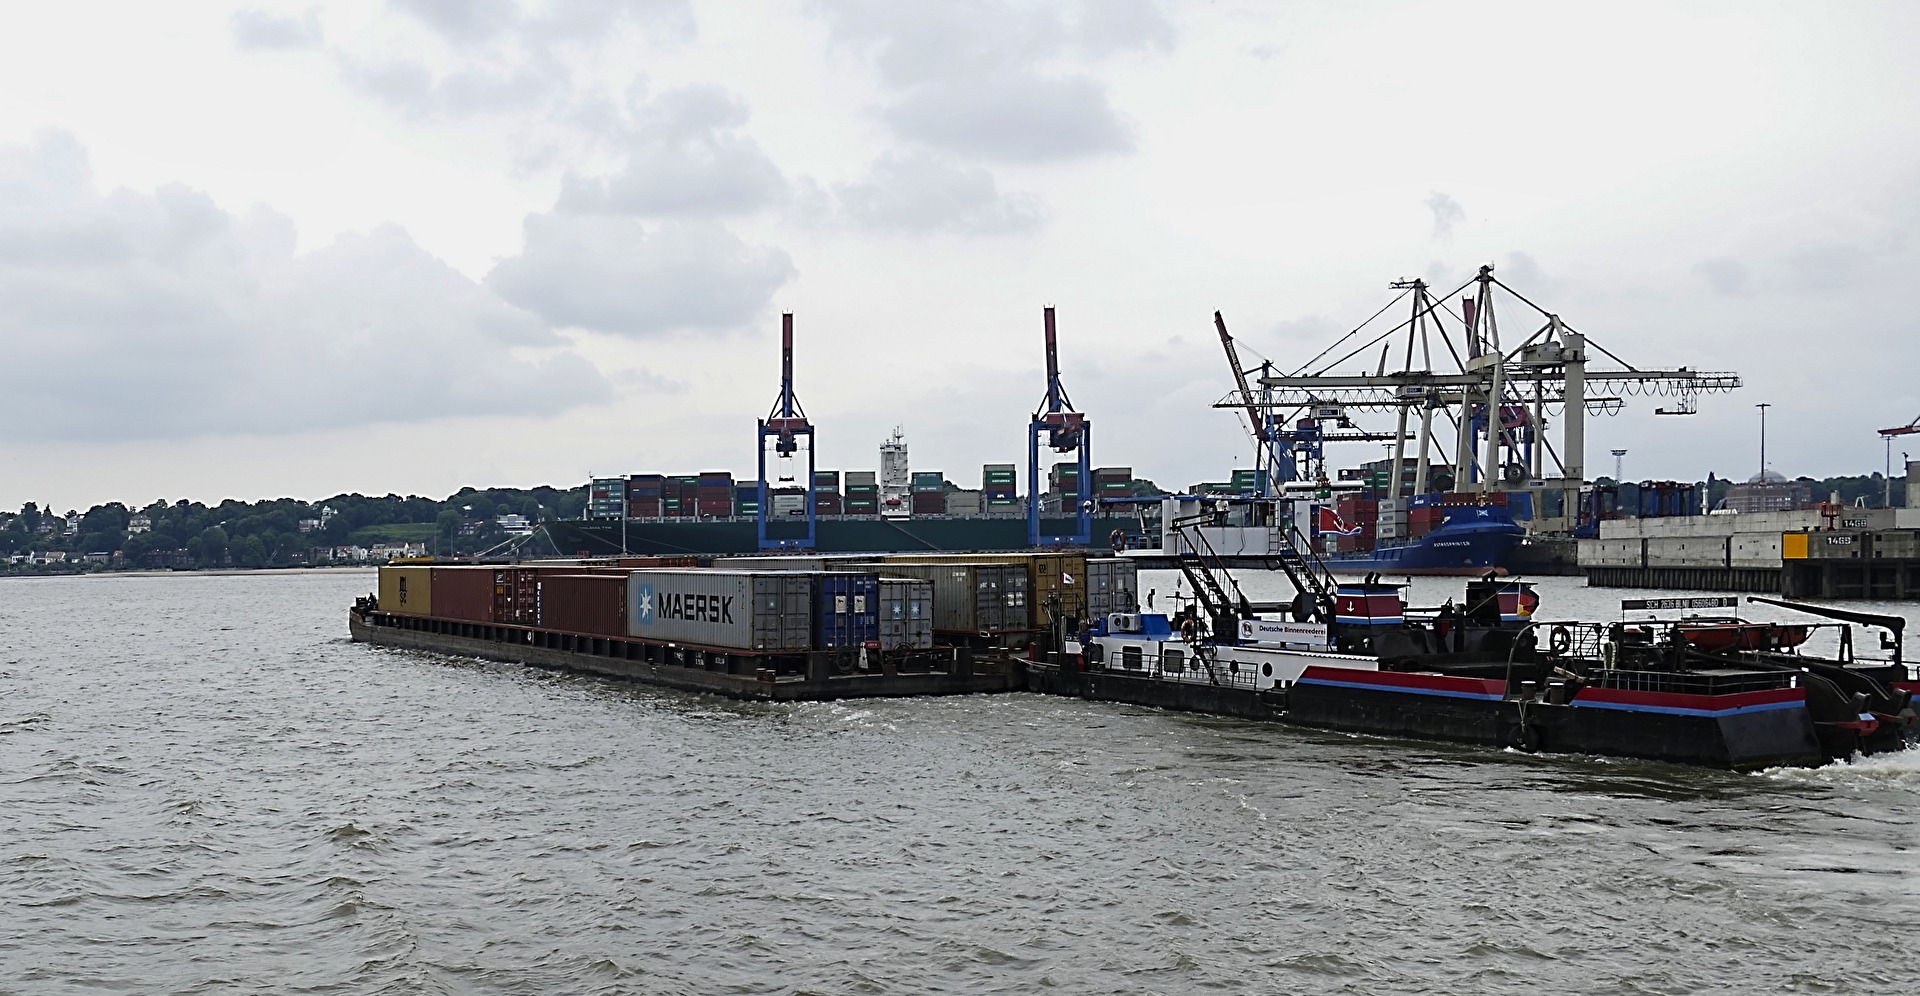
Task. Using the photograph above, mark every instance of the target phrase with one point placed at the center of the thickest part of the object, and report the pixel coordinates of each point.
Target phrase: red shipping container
(463, 593)
(827, 504)
(584, 603)
(929, 503)
(643, 508)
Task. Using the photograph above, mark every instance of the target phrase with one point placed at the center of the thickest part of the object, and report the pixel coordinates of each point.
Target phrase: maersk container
(846, 609)
(406, 590)
(595, 604)
(768, 611)
(905, 619)
(1113, 585)
(970, 598)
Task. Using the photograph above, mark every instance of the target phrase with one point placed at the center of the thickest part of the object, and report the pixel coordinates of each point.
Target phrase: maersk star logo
(643, 604)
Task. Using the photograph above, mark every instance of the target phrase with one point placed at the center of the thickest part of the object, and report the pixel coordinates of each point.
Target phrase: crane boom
(1902, 430)
(1254, 421)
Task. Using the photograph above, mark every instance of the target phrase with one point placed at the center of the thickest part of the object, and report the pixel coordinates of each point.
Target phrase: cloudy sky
(408, 245)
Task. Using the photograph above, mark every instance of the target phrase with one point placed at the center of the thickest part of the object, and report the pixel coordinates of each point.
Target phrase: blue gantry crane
(1065, 431)
(785, 425)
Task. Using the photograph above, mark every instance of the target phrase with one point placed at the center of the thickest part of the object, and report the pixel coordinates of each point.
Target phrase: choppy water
(204, 788)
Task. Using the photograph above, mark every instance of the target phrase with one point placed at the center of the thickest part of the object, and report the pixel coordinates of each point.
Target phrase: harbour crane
(785, 424)
(1887, 434)
(1499, 396)
(1064, 430)
(1273, 454)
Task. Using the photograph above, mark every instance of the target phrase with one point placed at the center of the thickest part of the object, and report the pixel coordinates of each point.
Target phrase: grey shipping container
(1113, 585)
(770, 611)
(906, 614)
(970, 598)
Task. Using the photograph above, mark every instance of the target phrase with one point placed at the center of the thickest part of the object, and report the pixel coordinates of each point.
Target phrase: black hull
(1743, 741)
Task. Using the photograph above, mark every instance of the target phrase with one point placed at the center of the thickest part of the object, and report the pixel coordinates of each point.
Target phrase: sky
(284, 249)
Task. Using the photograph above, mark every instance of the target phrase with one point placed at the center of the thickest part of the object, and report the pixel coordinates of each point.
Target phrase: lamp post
(1763, 406)
(1617, 471)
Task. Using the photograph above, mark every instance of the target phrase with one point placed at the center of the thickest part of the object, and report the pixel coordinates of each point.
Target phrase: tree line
(269, 533)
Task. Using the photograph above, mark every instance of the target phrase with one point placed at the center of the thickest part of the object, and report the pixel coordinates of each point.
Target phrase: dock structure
(1848, 553)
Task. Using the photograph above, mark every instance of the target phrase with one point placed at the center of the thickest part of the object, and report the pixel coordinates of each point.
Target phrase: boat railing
(1193, 662)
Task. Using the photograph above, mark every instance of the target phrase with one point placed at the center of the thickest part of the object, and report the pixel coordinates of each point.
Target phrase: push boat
(1705, 689)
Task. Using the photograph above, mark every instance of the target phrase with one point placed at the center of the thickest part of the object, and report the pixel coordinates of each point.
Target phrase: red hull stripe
(1406, 681)
(1684, 704)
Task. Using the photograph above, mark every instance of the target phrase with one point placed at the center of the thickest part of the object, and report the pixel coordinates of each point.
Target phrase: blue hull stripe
(1362, 686)
(1677, 711)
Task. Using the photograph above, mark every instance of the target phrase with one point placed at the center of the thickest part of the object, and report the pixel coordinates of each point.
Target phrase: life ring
(1189, 630)
(1118, 540)
(1560, 641)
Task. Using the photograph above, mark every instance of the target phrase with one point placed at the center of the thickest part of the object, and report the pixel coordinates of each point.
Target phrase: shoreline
(209, 572)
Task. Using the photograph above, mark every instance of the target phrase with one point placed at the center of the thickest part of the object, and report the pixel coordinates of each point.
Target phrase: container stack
(746, 500)
(1113, 482)
(929, 492)
(1064, 479)
(715, 496)
(682, 497)
(863, 493)
(1249, 482)
(1357, 512)
(999, 482)
(644, 494)
(826, 492)
(787, 502)
(1394, 526)
(963, 502)
(606, 497)
(1424, 519)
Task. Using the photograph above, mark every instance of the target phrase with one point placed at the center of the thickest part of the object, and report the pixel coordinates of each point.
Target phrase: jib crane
(1065, 431)
(785, 424)
(1272, 447)
(1887, 434)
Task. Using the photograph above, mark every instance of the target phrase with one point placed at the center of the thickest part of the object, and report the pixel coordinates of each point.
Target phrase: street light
(1763, 406)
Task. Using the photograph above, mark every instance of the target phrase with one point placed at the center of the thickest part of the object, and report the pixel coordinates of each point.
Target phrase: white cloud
(261, 29)
(686, 157)
(982, 78)
(610, 274)
(919, 193)
(1447, 214)
(162, 315)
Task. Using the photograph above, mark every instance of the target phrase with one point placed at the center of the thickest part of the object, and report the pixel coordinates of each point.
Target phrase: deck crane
(785, 424)
(1065, 431)
(1887, 434)
(1271, 454)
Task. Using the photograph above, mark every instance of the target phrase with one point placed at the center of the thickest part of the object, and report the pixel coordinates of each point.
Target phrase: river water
(205, 788)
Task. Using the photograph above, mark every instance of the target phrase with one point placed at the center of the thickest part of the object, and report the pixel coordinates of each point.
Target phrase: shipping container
(826, 503)
(963, 502)
(826, 480)
(643, 508)
(406, 590)
(929, 480)
(1113, 585)
(905, 618)
(769, 611)
(861, 478)
(463, 593)
(595, 604)
(1056, 581)
(929, 503)
(846, 609)
(970, 598)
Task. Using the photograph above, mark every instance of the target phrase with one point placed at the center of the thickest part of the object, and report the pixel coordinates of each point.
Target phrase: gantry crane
(1497, 397)
(1065, 431)
(785, 425)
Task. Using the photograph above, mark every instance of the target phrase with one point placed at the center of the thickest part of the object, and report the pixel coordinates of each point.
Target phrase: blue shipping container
(846, 610)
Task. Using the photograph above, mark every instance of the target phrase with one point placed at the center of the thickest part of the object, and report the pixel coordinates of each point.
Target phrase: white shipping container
(734, 610)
